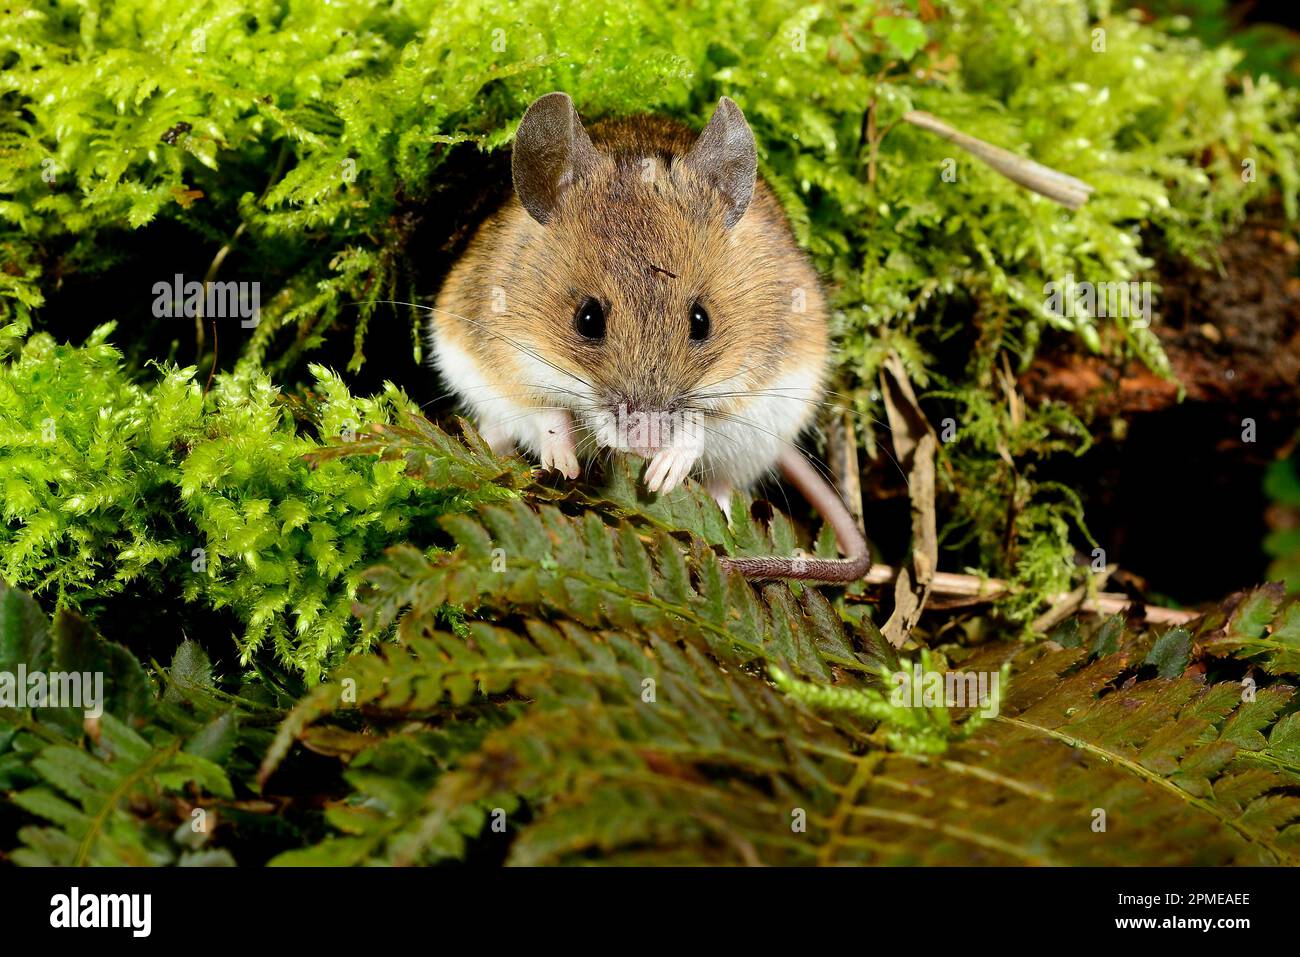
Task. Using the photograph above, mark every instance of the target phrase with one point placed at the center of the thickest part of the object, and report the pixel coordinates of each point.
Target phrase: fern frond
(140, 783)
(1264, 627)
(640, 724)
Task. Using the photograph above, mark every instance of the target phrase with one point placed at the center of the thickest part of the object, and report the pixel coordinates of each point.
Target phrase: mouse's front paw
(668, 468)
(557, 450)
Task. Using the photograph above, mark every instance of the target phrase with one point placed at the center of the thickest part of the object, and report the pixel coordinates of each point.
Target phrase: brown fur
(647, 250)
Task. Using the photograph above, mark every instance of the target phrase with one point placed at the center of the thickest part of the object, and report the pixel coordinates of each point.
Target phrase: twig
(1071, 603)
(208, 279)
(213, 371)
(916, 446)
(1044, 180)
(224, 251)
(842, 453)
(950, 584)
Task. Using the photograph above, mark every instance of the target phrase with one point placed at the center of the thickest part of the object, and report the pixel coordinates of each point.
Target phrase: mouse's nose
(640, 427)
(645, 394)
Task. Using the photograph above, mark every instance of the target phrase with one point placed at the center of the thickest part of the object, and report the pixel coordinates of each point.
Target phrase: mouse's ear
(551, 151)
(725, 155)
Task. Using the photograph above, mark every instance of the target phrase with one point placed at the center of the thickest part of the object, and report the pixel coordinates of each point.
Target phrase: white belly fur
(735, 453)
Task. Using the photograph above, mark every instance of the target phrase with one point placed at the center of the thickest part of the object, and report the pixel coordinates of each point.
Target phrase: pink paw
(668, 468)
(557, 449)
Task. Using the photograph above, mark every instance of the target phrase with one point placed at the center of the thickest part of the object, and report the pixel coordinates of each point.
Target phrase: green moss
(110, 484)
(312, 124)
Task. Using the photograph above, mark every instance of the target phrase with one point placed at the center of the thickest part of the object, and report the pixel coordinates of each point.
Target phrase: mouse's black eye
(589, 320)
(699, 323)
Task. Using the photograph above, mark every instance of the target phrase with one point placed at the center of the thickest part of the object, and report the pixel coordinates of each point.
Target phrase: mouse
(642, 291)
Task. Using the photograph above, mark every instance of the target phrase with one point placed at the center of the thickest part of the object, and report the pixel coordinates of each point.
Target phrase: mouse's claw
(668, 469)
(567, 467)
(720, 490)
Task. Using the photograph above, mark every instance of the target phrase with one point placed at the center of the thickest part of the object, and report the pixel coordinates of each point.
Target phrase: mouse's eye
(589, 319)
(699, 323)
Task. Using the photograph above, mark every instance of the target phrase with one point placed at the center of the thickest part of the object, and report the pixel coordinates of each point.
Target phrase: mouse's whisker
(531, 411)
(490, 331)
(750, 423)
(702, 390)
(894, 461)
(779, 393)
(588, 443)
(884, 426)
(534, 391)
(710, 391)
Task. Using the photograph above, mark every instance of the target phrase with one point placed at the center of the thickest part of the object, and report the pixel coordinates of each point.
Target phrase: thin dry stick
(948, 584)
(1044, 180)
(221, 255)
(208, 279)
(1071, 603)
(842, 455)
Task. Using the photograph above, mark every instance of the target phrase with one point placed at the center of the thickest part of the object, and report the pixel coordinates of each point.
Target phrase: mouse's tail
(851, 568)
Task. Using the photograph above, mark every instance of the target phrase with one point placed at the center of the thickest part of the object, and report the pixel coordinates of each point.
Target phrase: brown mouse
(642, 291)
